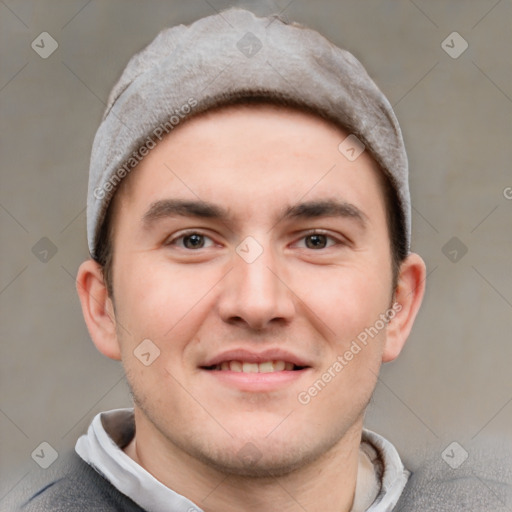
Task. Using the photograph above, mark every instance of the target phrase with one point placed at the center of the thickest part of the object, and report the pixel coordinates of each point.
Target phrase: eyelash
(305, 235)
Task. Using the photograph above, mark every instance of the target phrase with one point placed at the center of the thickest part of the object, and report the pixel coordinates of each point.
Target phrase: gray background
(453, 380)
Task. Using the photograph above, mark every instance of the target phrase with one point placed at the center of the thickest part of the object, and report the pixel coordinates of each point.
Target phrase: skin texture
(232, 446)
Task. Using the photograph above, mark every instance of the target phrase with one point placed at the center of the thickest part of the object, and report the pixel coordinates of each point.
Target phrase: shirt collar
(380, 481)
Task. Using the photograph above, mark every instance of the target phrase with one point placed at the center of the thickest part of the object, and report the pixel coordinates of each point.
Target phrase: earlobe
(409, 294)
(97, 309)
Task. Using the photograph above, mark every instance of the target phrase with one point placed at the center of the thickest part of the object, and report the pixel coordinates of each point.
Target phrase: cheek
(161, 301)
(357, 335)
(345, 300)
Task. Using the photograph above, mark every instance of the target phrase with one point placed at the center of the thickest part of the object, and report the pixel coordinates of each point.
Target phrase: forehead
(251, 150)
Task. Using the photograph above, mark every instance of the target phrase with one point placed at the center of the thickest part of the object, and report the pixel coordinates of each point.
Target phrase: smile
(249, 367)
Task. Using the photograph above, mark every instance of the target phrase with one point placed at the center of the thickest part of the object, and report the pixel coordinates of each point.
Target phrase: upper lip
(248, 356)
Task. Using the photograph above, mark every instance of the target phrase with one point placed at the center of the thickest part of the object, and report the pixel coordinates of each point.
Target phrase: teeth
(265, 367)
(279, 366)
(235, 366)
(250, 367)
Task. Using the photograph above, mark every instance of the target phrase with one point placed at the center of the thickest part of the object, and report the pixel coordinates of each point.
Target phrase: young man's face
(246, 237)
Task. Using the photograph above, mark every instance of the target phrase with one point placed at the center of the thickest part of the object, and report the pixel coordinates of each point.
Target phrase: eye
(191, 240)
(317, 240)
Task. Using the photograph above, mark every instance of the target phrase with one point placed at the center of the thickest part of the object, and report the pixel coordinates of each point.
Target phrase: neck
(327, 483)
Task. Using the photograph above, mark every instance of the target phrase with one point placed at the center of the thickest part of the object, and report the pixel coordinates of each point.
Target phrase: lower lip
(257, 382)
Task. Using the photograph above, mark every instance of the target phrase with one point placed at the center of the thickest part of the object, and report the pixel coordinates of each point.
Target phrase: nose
(255, 294)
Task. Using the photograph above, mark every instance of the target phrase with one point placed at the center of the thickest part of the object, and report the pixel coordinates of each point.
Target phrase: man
(249, 229)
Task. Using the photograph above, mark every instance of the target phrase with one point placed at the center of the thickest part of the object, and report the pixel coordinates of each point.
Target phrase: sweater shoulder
(72, 486)
(479, 480)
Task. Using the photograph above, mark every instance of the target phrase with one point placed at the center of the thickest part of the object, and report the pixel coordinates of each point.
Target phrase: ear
(98, 309)
(407, 301)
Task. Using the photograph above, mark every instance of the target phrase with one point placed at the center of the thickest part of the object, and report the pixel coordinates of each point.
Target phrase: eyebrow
(325, 208)
(177, 207)
(202, 209)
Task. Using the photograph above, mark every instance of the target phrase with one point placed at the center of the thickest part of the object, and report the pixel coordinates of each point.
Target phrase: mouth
(249, 371)
(252, 367)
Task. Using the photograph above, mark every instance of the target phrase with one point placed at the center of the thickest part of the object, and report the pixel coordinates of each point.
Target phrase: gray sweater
(482, 483)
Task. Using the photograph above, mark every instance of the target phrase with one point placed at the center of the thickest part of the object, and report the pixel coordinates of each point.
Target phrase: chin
(260, 455)
(251, 461)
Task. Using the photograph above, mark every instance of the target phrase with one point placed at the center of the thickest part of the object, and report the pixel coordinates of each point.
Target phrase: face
(252, 254)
